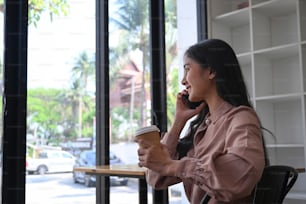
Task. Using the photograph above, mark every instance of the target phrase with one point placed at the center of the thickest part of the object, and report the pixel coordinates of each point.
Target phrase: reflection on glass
(172, 67)
(130, 76)
(129, 84)
(61, 99)
(172, 71)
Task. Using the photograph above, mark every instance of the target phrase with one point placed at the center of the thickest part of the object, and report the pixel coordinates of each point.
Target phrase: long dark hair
(222, 60)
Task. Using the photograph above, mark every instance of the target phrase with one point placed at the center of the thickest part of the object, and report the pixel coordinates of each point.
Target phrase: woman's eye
(186, 68)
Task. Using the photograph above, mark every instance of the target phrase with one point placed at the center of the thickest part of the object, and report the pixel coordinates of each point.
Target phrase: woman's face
(197, 80)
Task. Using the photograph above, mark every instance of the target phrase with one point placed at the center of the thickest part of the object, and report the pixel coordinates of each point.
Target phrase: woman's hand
(183, 112)
(155, 157)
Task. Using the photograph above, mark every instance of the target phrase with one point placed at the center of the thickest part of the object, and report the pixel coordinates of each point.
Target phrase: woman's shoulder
(243, 114)
(243, 109)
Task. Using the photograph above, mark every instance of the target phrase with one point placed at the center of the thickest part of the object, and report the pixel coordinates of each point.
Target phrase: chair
(275, 183)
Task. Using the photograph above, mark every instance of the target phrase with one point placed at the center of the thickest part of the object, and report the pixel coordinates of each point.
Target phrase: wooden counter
(131, 171)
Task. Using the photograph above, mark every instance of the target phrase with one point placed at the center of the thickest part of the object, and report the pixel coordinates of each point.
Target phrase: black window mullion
(202, 19)
(102, 100)
(14, 101)
(158, 77)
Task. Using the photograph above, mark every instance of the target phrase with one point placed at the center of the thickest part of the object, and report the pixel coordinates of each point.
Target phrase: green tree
(53, 7)
(69, 100)
(45, 112)
(50, 114)
(37, 7)
(83, 71)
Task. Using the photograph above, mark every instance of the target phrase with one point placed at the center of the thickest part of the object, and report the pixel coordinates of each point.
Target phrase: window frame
(15, 92)
(14, 101)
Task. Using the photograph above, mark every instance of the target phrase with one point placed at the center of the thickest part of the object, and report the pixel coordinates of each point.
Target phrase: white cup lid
(146, 130)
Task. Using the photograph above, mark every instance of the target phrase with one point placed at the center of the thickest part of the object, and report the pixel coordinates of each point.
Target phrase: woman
(223, 153)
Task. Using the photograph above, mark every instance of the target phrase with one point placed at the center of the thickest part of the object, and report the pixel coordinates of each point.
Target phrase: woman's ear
(212, 74)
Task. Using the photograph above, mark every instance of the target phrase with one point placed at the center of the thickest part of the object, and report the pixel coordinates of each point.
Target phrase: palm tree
(83, 71)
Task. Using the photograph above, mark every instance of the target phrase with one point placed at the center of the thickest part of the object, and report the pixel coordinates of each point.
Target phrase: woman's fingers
(143, 142)
(145, 153)
(141, 151)
(142, 157)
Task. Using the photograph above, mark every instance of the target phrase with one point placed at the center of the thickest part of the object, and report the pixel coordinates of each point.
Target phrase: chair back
(274, 185)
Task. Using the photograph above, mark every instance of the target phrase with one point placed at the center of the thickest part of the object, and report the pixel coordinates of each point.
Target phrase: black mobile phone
(191, 104)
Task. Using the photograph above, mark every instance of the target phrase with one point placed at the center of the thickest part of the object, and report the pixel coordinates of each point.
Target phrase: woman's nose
(184, 81)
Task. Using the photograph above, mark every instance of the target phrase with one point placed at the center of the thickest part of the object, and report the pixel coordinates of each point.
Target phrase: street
(60, 189)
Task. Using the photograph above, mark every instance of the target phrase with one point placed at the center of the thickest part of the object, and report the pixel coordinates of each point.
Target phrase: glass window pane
(172, 71)
(61, 100)
(181, 28)
(129, 85)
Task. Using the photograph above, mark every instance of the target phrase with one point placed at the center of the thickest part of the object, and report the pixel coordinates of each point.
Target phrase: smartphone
(191, 104)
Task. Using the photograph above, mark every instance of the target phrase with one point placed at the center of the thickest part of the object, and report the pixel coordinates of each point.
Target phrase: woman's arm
(161, 159)
(230, 173)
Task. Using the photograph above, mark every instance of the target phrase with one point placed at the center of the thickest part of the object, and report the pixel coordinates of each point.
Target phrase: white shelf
(280, 98)
(235, 18)
(302, 19)
(230, 23)
(220, 7)
(279, 52)
(303, 54)
(278, 71)
(245, 61)
(275, 23)
(256, 2)
(296, 195)
(269, 38)
(285, 146)
(276, 7)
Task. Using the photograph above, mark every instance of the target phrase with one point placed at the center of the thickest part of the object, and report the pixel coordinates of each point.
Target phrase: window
(65, 155)
(184, 21)
(129, 74)
(61, 96)
(51, 87)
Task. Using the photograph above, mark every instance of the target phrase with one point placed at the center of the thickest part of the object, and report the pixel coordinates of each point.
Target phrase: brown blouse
(227, 159)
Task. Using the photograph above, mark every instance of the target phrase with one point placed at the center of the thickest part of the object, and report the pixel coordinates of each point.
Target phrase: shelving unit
(269, 38)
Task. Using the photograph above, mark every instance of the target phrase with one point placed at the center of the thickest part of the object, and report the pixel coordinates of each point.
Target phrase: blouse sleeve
(233, 173)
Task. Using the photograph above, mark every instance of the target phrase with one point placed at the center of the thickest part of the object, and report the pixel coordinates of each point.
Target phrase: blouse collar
(219, 111)
(211, 118)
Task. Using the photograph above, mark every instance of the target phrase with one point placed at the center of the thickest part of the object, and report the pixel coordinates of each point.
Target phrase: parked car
(88, 158)
(50, 161)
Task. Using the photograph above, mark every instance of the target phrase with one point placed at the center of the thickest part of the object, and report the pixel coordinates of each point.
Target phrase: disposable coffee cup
(149, 133)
